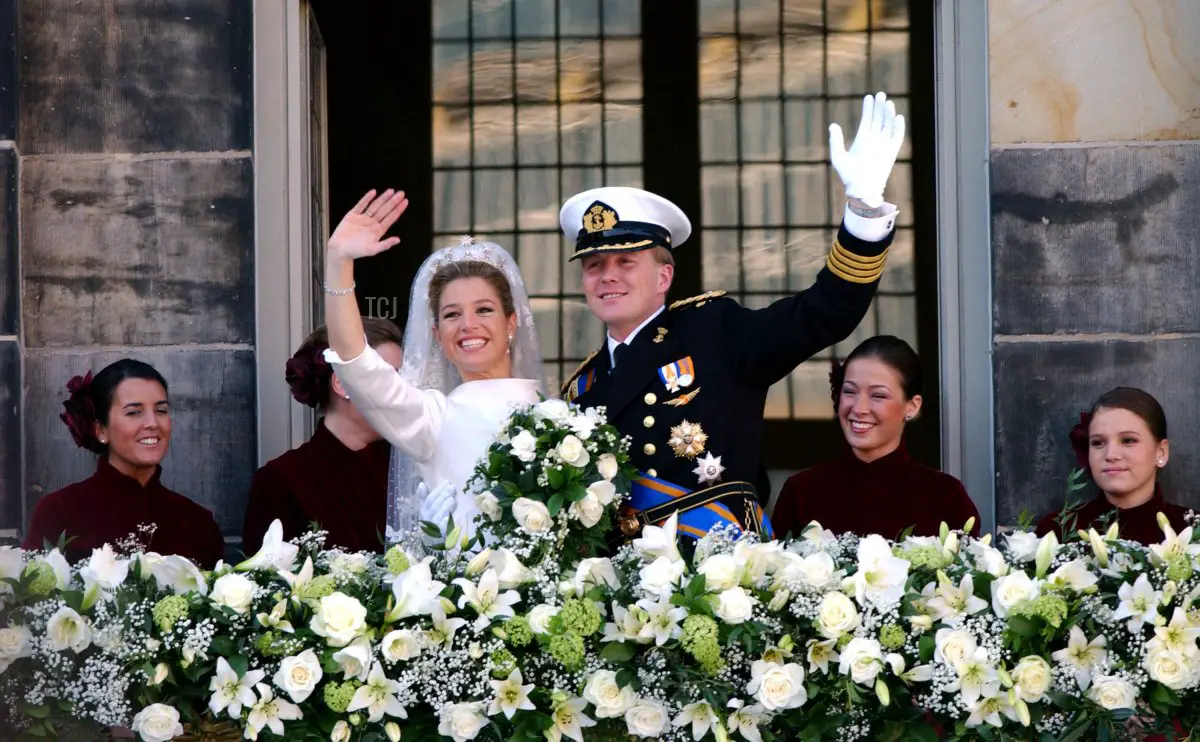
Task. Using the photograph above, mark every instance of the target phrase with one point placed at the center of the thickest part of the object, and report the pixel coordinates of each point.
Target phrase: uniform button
(652, 472)
(649, 421)
(649, 449)
(650, 398)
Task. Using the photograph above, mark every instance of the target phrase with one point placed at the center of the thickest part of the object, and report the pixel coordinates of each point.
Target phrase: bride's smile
(473, 328)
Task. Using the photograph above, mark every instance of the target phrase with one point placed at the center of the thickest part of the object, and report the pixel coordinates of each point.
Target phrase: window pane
(450, 19)
(898, 275)
(493, 135)
(623, 133)
(491, 19)
(579, 17)
(623, 70)
(762, 194)
(720, 186)
(450, 79)
(718, 132)
(760, 66)
(761, 131)
(582, 134)
(622, 17)
(763, 263)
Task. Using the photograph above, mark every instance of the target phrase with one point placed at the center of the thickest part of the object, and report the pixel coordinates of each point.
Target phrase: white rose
(777, 686)
(1023, 545)
(862, 659)
(1112, 693)
(354, 660)
(340, 733)
(988, 559)
(734, 605)
(234, 591)
(816, 570)
(531, 515)
(721, 572)
(68, 630)
(461, 721)
(539, 618)
(1011, 589)
(349, 564)
(1031, 677)
(524, 446)
(157, 723)
(606, 464)
(589, 510)
(572, 452)
(608, 697)
(604, 491)
(105, 569)
(400, 645)
(340, 618)
(14, 643)
(1167, 667)
(953, 646)
(489, 505)
(509, 569)
(554, 410)
(583, 426)
(647, 718)
(760, 559)
(836, 616)
(661, 575)
(593, 572)
(299, 675)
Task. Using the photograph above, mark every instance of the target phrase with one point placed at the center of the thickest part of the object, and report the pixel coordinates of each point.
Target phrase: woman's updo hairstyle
(451, 272)
(91, 398)
(890, 350)
(309, 375)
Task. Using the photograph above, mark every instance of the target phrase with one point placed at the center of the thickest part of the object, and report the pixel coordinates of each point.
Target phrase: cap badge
(600, 217)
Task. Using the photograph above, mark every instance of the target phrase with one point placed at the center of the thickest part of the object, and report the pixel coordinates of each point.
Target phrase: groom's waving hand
(689, 383)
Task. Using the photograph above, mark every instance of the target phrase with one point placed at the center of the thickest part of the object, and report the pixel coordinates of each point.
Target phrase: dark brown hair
(91, 398)
(451, 272)
(1139, 403)
(892, 352)
(308, 374)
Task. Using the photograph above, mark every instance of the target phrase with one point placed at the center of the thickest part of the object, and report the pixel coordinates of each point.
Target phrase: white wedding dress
(446, 434)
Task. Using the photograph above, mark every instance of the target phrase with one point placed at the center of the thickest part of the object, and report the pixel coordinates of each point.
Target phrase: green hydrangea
(700, 639)
(518, 632)
(318, 587)
(1179, 567)
(338, 695)
(44, 579)
(579, 617)
(1049, 607)
(504, 662)
(568, 650)
(397, 561)
(924, 557)
(276, 644)
(892, 636)
(169, 610)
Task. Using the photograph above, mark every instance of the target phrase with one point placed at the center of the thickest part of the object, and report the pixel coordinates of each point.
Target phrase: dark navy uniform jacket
(733, 355)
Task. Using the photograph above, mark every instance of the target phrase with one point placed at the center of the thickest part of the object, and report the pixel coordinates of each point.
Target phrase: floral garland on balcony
(526, 633)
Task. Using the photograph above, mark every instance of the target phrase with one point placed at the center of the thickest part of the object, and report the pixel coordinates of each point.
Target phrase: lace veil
(426, 367)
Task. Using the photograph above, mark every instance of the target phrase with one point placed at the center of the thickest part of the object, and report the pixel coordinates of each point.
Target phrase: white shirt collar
(629, 340)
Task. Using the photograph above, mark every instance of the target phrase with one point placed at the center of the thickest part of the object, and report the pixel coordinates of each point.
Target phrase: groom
(688, 383)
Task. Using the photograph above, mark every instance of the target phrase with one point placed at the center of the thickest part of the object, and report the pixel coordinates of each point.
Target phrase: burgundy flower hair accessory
(1079, 439)
(308, 375)
(837, 375)
(80, 414)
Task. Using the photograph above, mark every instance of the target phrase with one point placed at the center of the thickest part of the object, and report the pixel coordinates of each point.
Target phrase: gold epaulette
(698, 300)
(574, 374)
(854, 268)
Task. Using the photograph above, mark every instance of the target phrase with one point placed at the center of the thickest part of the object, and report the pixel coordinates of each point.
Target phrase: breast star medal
(709, 469)
(687, 440)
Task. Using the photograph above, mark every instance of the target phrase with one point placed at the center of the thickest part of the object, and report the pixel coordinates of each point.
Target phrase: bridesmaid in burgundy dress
(875, 487)
(123, 414)
(1123, 443)
(337, 480)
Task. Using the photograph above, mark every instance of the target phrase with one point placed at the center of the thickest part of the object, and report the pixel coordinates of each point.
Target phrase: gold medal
(687, 440)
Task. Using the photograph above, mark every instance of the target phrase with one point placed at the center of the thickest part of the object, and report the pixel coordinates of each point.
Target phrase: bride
(470, 355)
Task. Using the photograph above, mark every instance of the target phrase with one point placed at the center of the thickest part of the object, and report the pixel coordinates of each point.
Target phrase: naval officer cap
(622, 219)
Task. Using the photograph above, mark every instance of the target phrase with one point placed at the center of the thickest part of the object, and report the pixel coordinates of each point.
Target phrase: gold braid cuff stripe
(854, 268)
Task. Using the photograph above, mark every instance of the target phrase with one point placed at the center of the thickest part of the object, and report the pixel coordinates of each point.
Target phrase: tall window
(534, 100)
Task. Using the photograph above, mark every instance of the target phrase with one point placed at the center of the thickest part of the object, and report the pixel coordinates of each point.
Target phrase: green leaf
(557, 478)
(555, 504)
(618, 652)
(1064, 701)
(223, 646)
(926, 646)
(696, 586)
(627, 677)
(1078, 732)
(1022, 626)
(74, 599)
(37, 712)
(576, 492)
(239, 663)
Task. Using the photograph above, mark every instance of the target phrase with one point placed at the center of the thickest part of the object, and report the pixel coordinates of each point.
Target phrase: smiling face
(1124, 456)
(138, 432)
(872, 408)
(473, 330)
(624, 288)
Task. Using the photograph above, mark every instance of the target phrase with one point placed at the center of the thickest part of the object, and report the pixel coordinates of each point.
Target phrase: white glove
(865, 168)
(437, 505)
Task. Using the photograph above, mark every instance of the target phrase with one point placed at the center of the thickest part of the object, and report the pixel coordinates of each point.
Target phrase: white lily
(231, 693)
(415, 591)
(700, 715)
(1075, 575)
(662, 620)
(1082, 657)
(275, 553)
(270, 713)
(511, 695)
(442, 633)
(745, 719)
(1139, 603)
(569, 720)
(976, 677)
(1173, 545)
(952, 603)
(821, 653)
(355, 659)
(276, 618)
(486, 598)
(1177, 636)
(297, 580)
(659, 541)
(378, 697)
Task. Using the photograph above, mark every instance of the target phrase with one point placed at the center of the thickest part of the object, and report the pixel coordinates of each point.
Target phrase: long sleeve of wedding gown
(407, 417)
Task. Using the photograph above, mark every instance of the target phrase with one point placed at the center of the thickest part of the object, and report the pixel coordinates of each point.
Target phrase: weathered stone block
(119, 252)
(213, 440)
(9, 275)
(10, 434)
(135, 76)
(8, 69)
(1094, 70)
(1041, 387)
(1096, 239)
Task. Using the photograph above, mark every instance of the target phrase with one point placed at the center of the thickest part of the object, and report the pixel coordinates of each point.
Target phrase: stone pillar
(10, 314)
(137, 230)
(1095, 171)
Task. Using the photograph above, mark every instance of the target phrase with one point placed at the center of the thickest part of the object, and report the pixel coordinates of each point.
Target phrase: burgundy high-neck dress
(1136, 524)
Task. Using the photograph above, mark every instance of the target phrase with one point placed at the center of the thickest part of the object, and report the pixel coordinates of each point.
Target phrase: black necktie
(618, 352)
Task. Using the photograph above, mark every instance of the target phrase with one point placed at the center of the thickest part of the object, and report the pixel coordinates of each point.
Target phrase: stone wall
(136, 234)
(1095, 121)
